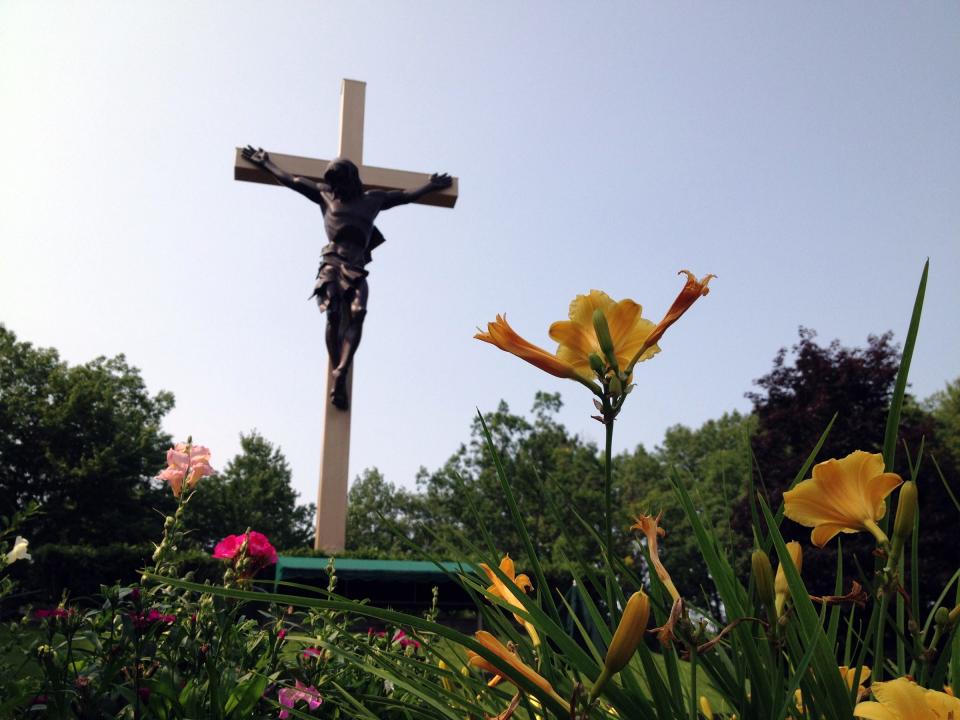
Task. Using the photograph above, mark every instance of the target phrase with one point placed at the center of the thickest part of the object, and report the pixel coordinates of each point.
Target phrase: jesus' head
(343, 177)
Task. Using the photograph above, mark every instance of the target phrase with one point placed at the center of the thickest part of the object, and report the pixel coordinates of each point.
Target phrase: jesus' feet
(338, 396)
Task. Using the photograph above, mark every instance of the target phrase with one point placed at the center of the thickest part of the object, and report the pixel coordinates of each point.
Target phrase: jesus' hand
(441, 181)
(257, 157)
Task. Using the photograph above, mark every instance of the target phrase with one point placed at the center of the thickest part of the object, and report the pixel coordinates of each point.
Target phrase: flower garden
(869, 647)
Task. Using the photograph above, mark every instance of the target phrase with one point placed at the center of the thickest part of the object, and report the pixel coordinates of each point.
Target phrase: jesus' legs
(352, 330)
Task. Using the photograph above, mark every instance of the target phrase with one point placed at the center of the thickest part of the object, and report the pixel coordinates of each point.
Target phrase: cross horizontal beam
(373, 178)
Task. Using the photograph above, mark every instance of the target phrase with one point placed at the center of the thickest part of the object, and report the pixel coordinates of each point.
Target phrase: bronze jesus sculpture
(348, 214)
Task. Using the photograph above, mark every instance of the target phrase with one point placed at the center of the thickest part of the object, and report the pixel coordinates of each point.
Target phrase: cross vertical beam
(331, 533)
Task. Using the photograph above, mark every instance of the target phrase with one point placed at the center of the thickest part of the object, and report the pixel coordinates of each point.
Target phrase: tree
(84, 442)
(547, 468)
(253, 491)
(376, 511)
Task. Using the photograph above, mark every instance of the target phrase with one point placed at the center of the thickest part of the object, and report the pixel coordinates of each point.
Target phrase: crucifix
(350, 195)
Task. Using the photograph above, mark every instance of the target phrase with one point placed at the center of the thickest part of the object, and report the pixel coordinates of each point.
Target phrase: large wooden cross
(335, 453)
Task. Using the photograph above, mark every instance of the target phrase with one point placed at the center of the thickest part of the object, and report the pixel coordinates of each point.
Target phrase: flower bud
(906, 511)
(626, 639)
(596, 363)
(942, 616)
(705, 707)
(780, 586)
(616, 387)
(955, 614)
(763, 578)
(603, 336)
(629, 632)
(168, 522)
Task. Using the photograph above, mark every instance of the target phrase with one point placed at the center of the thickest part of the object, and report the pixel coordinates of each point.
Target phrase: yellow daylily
(842, 496)
(849, 675)
(650, 527)
(577, 337)
(505, 593)
(517, 668)
(705, 708)
(780, 587)
(634, 337)
(903, 699)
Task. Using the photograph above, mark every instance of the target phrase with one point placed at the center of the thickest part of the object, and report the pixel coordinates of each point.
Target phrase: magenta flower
(145, 620)
(401, 637)
(290, 696)
(56, 613)
(186, 462)
(258, 550)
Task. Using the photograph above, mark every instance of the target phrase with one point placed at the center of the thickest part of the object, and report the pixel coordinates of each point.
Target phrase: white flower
(19, 551)
(388, 686)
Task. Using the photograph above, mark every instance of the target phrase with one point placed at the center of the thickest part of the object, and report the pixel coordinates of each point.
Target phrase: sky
(808, 154)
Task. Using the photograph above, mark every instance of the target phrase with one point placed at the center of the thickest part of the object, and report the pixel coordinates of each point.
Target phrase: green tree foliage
(713, 463)
(944, 407)
(84, 442)
(253, 491)
(548, 468)
(555, 477)
(376, 512)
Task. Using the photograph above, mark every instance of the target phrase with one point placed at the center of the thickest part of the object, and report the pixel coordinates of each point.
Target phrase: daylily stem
(608, 414)
(882, 540)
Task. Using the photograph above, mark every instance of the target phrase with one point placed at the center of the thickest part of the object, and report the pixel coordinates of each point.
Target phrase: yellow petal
(943, 704)
(874, 711)
(691, 291)
(582, 307)
(903, 699)
(822, 534)
(574, 345)
(517, 667)
(506, 566)
(523, 582)
(842, 496)
(500, 333)
(504, 591)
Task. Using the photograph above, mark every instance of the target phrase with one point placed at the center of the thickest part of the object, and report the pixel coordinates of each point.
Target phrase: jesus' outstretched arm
(310, 189)
(402, 197)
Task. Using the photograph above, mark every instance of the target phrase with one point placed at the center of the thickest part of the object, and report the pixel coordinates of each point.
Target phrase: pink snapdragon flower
(186, 462)
(290, 696)
(259, 552)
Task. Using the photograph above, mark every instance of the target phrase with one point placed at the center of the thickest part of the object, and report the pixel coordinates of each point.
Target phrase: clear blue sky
(808, 154)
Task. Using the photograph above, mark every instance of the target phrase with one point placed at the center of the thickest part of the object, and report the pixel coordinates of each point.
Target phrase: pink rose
(186, 462)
